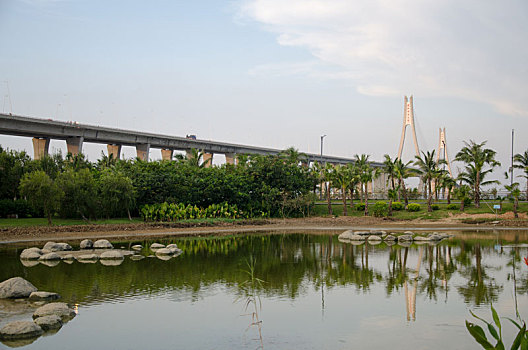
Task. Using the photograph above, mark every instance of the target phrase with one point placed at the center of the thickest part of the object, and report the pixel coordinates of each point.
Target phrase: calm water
(318, 293)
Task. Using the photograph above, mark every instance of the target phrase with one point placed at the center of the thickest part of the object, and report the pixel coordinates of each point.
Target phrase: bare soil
(314, 224)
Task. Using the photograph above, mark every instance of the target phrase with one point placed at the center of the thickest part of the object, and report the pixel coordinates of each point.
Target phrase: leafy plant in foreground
(520, 341)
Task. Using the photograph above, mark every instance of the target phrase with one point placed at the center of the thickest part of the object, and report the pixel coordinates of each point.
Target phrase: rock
(20, 330)
(137, 257)
(57, 247)
(50, 256)
(68, 257)
(374, 238)
(172, 246)
(164, 251)
(353, 238)
(29, 263)
(390, 238)
(88, 257)
(377, 233)
(16, 287)
(434, 237)
(421, 238)
(112, 255)
(164, 257)
(346, 234)
(43, 296)
(407, 238)
(60, 309)
(103, 244)
(362, 233)
(49, 322)
(31, 253)
(408, 233)
(137, 247)
(155, 246)
(86, 244)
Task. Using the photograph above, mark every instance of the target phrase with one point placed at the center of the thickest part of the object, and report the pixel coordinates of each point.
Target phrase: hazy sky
(273, 73)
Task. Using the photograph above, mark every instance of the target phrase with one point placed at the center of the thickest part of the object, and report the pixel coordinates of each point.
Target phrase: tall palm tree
(389, 168)
(515, 192)
(447, 183)
(327, 175)
(403, 171)
(293, 155)
(475, 155)
(361, 161)
(521, 162)
(367, 174)
(429, 171)
(354, 181)
(470, 176)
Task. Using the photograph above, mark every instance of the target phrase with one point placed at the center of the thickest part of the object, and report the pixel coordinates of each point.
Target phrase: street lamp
(322, 137)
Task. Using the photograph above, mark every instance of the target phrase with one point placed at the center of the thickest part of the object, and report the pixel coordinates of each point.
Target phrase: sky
(273, 73)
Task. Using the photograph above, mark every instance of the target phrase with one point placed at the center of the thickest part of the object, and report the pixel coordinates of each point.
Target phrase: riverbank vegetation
(72, 188)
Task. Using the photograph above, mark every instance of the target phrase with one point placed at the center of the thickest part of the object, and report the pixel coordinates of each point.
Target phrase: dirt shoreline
(322, 225)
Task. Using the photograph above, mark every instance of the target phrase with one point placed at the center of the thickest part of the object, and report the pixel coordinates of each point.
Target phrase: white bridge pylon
(408, 120)
(442, 149)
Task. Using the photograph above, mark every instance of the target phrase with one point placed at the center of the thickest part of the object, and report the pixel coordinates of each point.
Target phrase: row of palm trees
(479, 163)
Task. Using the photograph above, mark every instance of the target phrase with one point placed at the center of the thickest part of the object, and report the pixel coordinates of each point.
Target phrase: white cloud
(470, 49)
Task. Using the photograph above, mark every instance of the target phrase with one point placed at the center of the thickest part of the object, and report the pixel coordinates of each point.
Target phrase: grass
(62, 222)
(321, 209)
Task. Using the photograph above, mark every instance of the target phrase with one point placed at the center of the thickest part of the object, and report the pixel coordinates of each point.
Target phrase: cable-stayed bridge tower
(442, 149)
(408, 120)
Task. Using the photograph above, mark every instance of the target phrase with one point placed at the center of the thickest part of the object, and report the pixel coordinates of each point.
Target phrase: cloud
(470, 49)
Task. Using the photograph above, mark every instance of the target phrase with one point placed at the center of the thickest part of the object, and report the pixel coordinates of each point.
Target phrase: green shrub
(435, 207)
(359, 207)
(453, 206)
(174, 212)
(380, 209)
(467, 202)
(413, 207)
(397, 206)
(18, 207)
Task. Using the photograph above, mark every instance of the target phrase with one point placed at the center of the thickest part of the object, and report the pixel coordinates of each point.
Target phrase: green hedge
(359, 207)
(380, 209)
(18, 207)
(397, 206)
(453, 206)
(174, 212)
(435, 207)
(413, 207)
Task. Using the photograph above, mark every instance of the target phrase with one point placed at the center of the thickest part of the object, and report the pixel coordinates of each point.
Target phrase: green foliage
(495, 330)
(42, 192)
(116, 193)
(174, 212)
(380, 209)
(453, 206)
(19, 207)
(413, 207)
(397, 206)
(359, 206)
(80, 194)
(435, 207)
(467, 202)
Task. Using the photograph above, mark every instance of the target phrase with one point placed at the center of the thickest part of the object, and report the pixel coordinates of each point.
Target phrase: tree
(194, 159)
(429, 171)
(341, 178)
(521, 162)
(354, 181)
(447, 183)
(80, 194)
(366, 175)
(470, 176)
(116, 193)
(477, 158)
(389, 168)
(515, 192)
(42, 192)
(327, 175)
(13, 165)
(293, 155)
(403, 171)
(462, 193)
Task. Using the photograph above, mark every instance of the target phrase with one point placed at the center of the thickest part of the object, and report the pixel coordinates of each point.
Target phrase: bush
(413, 207)
(380, 209)
(453, 206)
(435, 207)
(397, 206)
(359, 207)
(467, 202)
(174, 212)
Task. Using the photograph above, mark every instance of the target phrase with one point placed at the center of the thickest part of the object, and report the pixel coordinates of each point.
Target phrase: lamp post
(322, 137)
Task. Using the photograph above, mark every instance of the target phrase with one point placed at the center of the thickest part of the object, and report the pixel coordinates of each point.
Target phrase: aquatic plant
(520, 341)
(252, 300)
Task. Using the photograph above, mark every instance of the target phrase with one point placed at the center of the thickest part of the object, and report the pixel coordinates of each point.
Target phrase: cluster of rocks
(376, 237)
(161, 251)
(46, 318)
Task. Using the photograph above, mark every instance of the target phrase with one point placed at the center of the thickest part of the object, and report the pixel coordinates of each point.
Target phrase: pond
(316, 293)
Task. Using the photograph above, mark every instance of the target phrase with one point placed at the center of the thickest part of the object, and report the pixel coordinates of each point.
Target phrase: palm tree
(354, 181)
(194, 158)
(429, 171)
(293, 155)
(515, 192)
(327, 175)
(403, 171)
(521, 162)
(361, 161)
(389, 168)
(341, 178)
(367, 174)
(470, 176)
(448, 183)
(477, 157)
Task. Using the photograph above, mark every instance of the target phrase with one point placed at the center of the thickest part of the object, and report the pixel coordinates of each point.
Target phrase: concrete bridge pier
(74, 145)
(40, 147)
(208, 159)
(230, 158)
(167, 154)
(142, 151)
(114, 151)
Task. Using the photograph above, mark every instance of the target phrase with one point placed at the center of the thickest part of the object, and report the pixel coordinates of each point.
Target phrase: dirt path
(324, 225)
